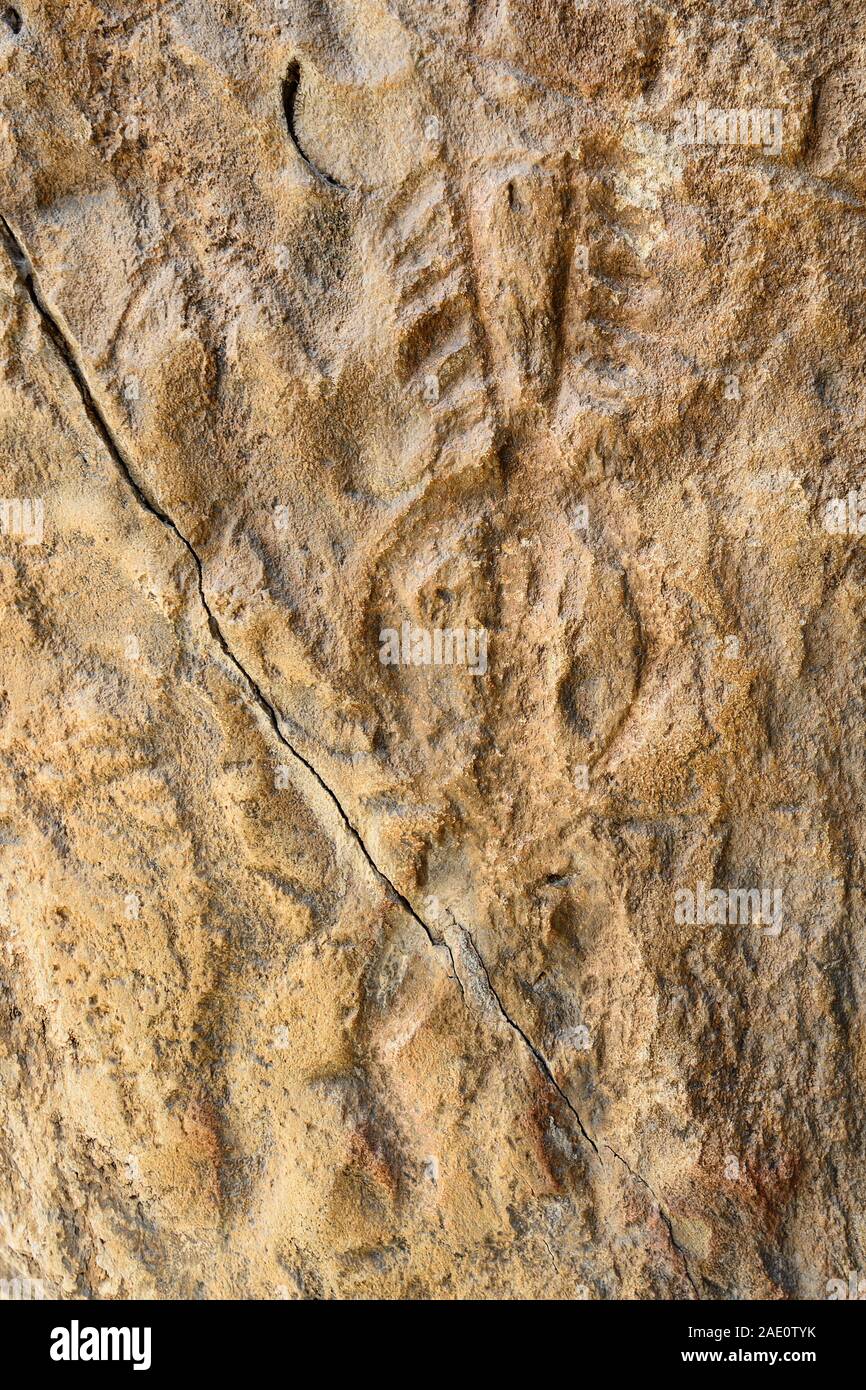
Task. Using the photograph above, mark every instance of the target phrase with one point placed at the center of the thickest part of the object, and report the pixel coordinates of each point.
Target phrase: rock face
(432, 695)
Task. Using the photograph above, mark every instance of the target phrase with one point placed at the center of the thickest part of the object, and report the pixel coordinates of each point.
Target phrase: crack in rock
(481, 974)
(63, 343)
(485, 987)
(662, 1213)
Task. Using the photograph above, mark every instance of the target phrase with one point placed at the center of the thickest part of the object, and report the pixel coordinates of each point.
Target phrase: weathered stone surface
(326, 977)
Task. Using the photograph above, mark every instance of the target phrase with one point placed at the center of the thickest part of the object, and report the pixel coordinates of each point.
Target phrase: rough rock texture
(322, 977)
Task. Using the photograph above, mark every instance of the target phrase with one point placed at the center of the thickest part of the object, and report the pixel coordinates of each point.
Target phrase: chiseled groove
(69, 356)
(290, 86)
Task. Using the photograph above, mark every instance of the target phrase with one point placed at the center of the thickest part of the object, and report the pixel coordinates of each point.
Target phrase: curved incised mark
(291, 83)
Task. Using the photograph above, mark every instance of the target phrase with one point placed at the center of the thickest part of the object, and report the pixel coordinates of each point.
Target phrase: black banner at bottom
(161, 1340)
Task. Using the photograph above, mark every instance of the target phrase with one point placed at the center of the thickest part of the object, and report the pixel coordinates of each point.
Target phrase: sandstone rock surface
(329, 976)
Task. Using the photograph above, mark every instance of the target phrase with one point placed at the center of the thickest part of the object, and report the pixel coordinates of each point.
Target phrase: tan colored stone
(323, 977)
